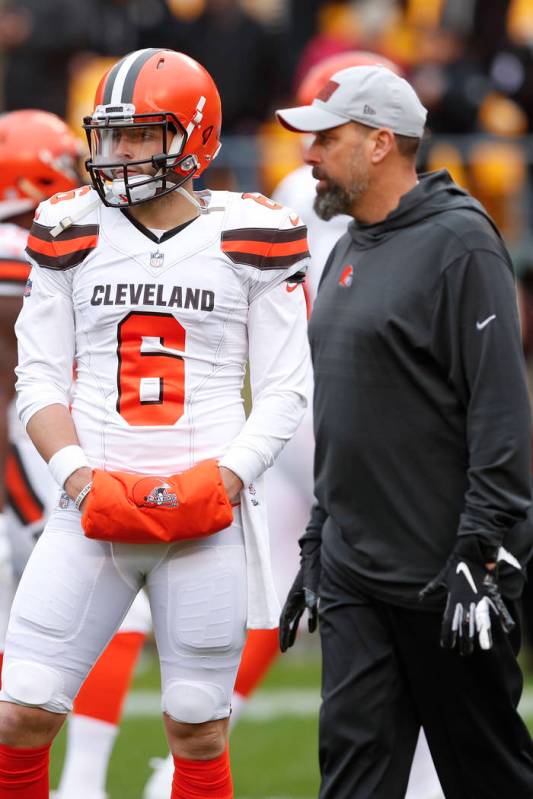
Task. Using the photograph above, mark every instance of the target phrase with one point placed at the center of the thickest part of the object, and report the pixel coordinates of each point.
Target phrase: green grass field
(273, 747)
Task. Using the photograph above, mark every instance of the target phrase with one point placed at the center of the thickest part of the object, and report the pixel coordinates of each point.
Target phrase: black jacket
(421, 410)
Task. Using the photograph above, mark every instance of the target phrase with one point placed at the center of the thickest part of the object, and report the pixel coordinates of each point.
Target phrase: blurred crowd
(470, 61)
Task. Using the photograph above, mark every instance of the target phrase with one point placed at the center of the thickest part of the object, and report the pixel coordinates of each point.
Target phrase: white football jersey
(161, 328)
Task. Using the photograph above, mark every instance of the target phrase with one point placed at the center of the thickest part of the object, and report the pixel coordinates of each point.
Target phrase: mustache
(317, 174)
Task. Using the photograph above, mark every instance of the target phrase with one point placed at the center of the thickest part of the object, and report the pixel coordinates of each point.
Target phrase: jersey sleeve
(65, 230)
(46, 341)
(267, 242)
(280, 378)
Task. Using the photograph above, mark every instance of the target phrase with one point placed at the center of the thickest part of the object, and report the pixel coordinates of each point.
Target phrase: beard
(335, 200)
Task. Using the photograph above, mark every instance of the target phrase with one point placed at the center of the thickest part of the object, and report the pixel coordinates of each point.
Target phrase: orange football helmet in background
(318, 76)
(146, 89)
(38, 157)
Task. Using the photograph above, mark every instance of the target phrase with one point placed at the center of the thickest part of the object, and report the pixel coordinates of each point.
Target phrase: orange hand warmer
(145, 509)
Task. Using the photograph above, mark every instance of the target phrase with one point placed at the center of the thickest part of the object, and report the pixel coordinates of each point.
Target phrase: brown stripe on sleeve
(60, 262)
(68, 249)
(265, 234)
(73, 232)
(266, 248)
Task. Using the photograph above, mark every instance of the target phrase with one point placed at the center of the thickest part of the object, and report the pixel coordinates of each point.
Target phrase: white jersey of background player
(161, 307)
(291, 477)
(38, 155)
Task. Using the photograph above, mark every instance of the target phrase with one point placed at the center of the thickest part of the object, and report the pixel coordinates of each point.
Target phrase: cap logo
(369, 110)
(326, 91)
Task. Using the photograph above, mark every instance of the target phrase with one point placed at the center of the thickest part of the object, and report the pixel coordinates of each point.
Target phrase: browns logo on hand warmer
(143, 509)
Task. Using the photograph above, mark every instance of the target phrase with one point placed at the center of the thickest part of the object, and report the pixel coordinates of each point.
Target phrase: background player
(39, 157)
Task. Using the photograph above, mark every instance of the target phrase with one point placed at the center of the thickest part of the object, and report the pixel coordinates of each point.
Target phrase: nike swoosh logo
(463, 568)
(485, 322)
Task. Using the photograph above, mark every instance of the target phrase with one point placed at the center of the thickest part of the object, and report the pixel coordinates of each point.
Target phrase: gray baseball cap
(371, 95)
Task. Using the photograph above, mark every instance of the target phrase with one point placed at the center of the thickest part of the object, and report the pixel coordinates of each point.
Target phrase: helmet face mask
(123, 182)
(155, 125)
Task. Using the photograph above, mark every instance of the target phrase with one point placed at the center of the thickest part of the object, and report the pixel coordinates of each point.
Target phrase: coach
(422, 465)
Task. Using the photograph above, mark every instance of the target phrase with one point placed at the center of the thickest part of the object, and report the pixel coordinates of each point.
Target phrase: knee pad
(35, 685)
(194, 702)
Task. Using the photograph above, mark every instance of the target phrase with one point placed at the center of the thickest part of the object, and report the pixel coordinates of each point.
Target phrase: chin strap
(203, 209)
(202, 206)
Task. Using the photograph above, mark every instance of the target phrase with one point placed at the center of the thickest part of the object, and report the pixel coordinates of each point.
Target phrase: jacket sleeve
(46, 343)
(313, 531)
(280, 380)
(476, 338)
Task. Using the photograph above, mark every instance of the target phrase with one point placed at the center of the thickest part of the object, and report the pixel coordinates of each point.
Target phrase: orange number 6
(151, 384)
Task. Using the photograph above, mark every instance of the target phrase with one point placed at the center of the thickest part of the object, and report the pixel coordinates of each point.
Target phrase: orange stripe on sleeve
(266, 248)
(56, 248)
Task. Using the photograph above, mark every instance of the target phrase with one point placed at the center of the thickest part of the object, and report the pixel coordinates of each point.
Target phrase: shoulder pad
(65, 229)
(261, 233)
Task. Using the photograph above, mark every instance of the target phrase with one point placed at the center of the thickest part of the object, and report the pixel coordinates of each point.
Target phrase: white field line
(263, 706)
(268, 705)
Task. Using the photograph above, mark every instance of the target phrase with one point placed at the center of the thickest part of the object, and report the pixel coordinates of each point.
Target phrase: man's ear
(382, 144)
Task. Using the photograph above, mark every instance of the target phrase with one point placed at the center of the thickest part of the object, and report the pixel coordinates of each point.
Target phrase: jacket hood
(435, 193)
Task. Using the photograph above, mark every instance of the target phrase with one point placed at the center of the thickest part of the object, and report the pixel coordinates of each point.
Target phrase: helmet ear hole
(206, 134)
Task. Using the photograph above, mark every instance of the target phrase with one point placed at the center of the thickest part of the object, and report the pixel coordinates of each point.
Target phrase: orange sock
(202, 779)
(261, 648)
(103, 693)
(24, 772)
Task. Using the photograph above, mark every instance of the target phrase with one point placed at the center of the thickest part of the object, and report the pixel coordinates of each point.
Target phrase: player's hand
(232, 484)
(303, 595)
(471, 582)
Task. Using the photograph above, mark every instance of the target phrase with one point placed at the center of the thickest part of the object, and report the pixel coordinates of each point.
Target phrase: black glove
(303, 594)
(472, 595)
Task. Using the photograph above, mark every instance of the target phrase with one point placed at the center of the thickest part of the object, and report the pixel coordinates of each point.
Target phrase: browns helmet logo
(154, 492)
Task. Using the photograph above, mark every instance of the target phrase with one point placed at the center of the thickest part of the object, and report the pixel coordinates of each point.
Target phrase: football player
(161, 295)
(38, 157)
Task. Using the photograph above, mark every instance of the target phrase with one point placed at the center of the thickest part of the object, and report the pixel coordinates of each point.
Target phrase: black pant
(384, 675)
